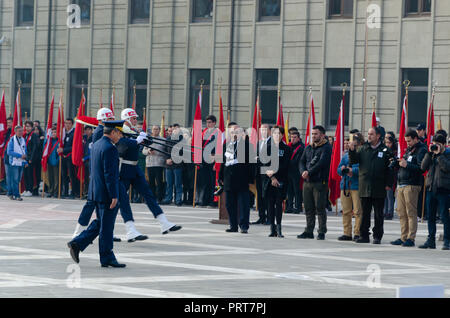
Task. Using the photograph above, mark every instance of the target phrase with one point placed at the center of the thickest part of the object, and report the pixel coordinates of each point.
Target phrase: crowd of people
(373, 177)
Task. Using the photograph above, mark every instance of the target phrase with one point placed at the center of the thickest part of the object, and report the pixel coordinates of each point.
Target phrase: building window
(417, 7)
(417, 95)
(269, 10)
(140, 11)
(138, 77)
(340, 8)
(78, 81)
(85, 6)
(268, 79)
(24, 76)
(336, 77)
(202, 10)
(195, 80)
(25, 12)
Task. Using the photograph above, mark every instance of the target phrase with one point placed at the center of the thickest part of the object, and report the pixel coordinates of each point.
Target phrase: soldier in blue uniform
(103, 115)
(131, 174)
(104, 191)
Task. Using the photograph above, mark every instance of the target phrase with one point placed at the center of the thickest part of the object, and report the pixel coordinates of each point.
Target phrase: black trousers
(188, 183)
(205, 185)
(275, 197)
(262, 200)
(69, 173)
(238, 207)
(28, 176)
(378, 206)
(155, 180)
(294, 194)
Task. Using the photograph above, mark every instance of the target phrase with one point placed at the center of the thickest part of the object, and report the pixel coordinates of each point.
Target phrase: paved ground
(202, 260)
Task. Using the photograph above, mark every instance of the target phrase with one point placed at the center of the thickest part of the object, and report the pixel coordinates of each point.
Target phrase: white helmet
(104, 114)
(128, 113)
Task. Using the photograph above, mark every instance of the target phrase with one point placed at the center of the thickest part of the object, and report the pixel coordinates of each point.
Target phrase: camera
(434, 147)
(345, 170)
(393, 163)
(218, 191)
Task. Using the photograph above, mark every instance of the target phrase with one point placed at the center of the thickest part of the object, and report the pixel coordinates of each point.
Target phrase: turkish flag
(403, 127)
(197, 131)
(48, 142)
(430, 122)
(77, 146)
(311, 123)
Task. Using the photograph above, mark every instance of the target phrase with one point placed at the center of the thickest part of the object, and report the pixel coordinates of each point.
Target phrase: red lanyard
(295, 151)
(28, 138)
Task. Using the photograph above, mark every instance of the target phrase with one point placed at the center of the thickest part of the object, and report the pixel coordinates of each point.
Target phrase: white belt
(131, 163)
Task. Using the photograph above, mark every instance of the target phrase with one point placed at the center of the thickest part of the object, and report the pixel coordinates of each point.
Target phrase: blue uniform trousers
(140, 185)
(103, 227)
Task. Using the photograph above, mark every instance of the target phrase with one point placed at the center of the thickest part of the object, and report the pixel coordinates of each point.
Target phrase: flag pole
(428, 125)
(196, 168)
(60, 137)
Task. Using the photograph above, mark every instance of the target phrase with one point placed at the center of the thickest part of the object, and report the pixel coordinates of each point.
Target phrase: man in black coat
(262, 147)
(314, 168)
(33, 157)
(68, 170)
(375, 177)
(236, 174)
(294, 194)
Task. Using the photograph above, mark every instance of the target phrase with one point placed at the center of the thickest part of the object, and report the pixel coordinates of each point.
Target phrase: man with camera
(375, 177)
(409, 179)
(349, 193)
(315, 167)
(437, 163)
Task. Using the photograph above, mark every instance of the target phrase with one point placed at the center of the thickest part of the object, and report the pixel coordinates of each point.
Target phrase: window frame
(139, 87)
(266, 88)
(413, 88)
(341, 15)
(27, 86)
(139, 20)
(19, 9)
(72, 112)
(194, 89)
(420, 8)
(268, 18)
(84, 22)
(195, 19)
(333, 88)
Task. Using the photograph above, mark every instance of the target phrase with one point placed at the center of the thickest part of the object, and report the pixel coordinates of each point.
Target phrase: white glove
(141, 137)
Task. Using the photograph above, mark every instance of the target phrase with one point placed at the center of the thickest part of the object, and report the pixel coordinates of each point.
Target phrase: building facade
(164, 49)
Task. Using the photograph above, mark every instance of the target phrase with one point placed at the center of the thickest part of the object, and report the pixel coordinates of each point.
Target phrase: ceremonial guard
(104, 191)
(131, 174)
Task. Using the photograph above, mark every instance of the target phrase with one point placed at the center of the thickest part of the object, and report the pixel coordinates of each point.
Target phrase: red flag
(374, 120)
(430, 122)
(17, 118)
(311, 122)
(403, 127)
(77, 146)
(197, 131)
(334, 178)
(60, 131)
(3, 131)
(144, 123)
(113, 100)
(48, 142)
(163, 126)
(254, 137)
(134, 100)
(220, 140)
(280, 120)
(2, 125)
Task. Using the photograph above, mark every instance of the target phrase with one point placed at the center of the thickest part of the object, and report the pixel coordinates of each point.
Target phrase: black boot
(279, 231)
(430, 243)
(273, 231)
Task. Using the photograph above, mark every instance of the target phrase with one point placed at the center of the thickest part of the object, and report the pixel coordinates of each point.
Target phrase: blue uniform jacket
(129, 150)
(354, 180)
(104, 179)
(98, 133)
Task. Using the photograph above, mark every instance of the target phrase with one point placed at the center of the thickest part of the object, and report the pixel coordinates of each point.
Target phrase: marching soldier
(104, 191)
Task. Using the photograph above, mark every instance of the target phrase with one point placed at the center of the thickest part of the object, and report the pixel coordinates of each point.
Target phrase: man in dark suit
(104, 191)
(236, 174)
(263, 147)
(68, 169)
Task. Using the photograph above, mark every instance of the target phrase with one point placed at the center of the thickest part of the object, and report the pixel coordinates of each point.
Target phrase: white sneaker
(27, 194)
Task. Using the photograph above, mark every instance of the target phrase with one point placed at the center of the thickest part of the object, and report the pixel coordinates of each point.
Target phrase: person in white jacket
(17, 152)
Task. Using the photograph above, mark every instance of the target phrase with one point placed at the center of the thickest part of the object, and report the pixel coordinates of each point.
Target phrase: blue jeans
(438, 203)
(5, 183)
(174, 177)
(14, 175)
(389, 203)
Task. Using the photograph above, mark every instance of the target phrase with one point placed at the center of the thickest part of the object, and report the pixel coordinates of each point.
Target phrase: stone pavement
(202, 260)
